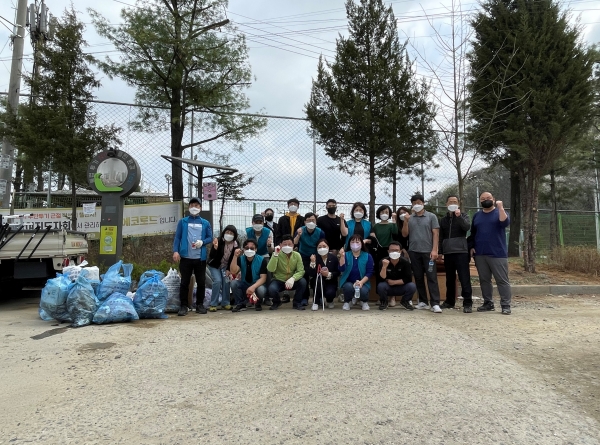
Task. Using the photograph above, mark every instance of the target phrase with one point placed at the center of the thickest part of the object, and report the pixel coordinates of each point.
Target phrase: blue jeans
(277, 286)
(219, 284)
(406, 291)
(348, 290)
(239, 288)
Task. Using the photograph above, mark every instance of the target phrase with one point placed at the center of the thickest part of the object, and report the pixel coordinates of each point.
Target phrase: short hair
(395, 243)
(293, 200)
(287, 238)
(417, 197)
(249, 241)
(323, 240)
(452, 196)
(269, 208)
(485, 191)
(362, 206)
(381, 209)
(309, 215)
(231, 228)
(331, 200)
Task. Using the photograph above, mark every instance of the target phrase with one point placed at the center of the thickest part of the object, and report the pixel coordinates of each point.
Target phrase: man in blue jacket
(189, 250)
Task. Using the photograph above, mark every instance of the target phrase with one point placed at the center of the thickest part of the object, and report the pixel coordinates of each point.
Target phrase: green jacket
(283, 267)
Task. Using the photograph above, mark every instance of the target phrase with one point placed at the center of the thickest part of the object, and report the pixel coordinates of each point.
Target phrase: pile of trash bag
(113, 281)
(151, 297)
(81, 302)
(54, 298)
(117, 308)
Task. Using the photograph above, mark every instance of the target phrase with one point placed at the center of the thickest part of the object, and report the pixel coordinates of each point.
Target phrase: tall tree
(366, 107)
(183, 55)
(59, 128)
(556, 75)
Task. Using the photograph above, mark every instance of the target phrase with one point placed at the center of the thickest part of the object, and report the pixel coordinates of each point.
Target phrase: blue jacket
(365, 265)
(180, 242)
(366, 225)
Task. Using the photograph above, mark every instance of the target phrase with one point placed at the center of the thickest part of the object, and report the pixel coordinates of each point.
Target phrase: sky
(285, 39)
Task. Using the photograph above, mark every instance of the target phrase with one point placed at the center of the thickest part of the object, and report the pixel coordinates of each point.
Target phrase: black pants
(306, 264)
(419, 263)
(188, 266)
(382, 252)
(458, 263)
(329, 290)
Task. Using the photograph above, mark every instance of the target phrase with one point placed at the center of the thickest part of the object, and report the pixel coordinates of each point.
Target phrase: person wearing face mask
(253, 276)
(189, 250)
(385, 232)
(269, 223)
(261, 234)
(359, 225)
(396, 276)
(290, 222)
(423, 227)
(325, 265)
(356, 267)
(288, 273)
(219, 262)
(453, 245)
(487, 244)
(306, 240)
(401, 213)
(330, 224)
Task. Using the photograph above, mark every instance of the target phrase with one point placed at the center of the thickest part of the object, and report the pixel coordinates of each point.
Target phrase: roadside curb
(546, 289)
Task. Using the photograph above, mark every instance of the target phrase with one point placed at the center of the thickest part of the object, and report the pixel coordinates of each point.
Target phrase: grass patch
(576, 258)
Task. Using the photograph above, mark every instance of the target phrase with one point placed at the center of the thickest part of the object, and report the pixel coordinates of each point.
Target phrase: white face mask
(257, 227)
(394, 255)
(402, 216)
(358, 215)
(228, 237)
(249, 253)
(452, 208)
(293, 208)
(311, 225)
(417, 207)
(384, 217)
(194, 211)
(287, 249)
(322, 251)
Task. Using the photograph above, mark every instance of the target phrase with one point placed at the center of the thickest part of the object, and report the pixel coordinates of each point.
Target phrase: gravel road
(289, 377)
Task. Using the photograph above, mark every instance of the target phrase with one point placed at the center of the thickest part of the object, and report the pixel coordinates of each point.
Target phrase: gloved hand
(289, 283)
(199, 243)
(277, 250)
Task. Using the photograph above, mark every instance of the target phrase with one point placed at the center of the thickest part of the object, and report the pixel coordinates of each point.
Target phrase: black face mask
(269, 217)
(488, 203)
(331, 210)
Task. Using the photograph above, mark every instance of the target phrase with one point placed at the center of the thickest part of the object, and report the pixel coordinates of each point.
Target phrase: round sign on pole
(114, 172)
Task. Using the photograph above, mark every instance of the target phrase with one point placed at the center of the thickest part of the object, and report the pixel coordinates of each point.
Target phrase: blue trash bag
(95, 285)
(54, 298)
(81, 302)
(113, 281)
(150, 299)
(44, 315)
(149, 274)
(117, 308)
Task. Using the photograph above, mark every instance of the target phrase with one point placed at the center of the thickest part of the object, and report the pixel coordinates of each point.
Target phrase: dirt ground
(290, 377)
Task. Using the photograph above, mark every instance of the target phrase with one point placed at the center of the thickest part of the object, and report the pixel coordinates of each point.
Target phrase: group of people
(331, 254)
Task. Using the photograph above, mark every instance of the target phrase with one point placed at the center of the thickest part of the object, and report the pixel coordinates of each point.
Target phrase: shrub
(576, 258)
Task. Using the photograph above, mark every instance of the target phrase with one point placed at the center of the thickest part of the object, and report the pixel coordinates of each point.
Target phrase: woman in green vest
(357, 268)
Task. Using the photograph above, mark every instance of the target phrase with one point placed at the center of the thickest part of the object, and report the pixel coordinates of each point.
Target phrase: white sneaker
(315, 307)
(330, 305)
(354, 301)
(436, 309)
(365, 306)
(392, 302)
(346, 306)
(422, 305)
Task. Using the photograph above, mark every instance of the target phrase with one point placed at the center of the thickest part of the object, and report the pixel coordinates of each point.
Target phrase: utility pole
(7, 155)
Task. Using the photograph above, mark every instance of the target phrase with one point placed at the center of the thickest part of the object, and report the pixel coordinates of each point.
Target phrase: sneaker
(346, 306)
(200, 309)
(257, 307)
(445, 305)
(315, 307)
(365, 306)
(212, 309)
(275, 306)
(422, 305)
(268, 302)
(183, 310)
(436, 309)
(485, 307)
(467, 309)
(239, 307)
(506, 310)
(383, 305)
(285, 298)
(227, 307)
(406, 305)
(392, 302)
(331, 305)
(354, 301)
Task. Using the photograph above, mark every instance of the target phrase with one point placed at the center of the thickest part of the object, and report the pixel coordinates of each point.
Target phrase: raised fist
(385, 262)
(300, 231)
(313, 258)
(216, 243)
(237, 252)
(499, 204)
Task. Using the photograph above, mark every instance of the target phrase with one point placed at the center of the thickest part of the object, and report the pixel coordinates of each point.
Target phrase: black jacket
(332, 265)
(216, 255)
(402, 270)
(452, 226)
(283, 227)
